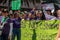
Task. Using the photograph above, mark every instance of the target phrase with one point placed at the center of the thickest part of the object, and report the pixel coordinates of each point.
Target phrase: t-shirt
(16, 23)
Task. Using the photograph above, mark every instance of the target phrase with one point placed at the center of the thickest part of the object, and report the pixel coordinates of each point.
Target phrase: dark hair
(15, 15)
(4, 11)
(11, 14)
(43, 16)
(55, 13)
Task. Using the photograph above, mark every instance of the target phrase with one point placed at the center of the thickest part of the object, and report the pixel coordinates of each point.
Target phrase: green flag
(16, 4)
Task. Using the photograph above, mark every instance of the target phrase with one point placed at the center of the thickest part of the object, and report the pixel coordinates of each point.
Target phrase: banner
(16, 4)
(39, 30)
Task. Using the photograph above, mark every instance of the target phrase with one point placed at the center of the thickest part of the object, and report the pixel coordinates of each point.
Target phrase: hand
(58, 38)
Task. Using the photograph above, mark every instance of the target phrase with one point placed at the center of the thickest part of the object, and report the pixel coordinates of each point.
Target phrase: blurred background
(25, 4)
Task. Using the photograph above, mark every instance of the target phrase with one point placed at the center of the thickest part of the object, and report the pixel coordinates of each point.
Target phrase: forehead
(58, 10)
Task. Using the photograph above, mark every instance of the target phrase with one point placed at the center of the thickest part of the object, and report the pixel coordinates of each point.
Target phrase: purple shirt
(16, 23)
(32, 11)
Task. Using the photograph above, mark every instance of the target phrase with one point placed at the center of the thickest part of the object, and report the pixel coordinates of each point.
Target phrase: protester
(57, 14)
(16, 27)
(40, 16)
(49, 15)
(24, 16)
(5, 15)
(33, 10)
(6, 28)
(29, 16)
(17, 16)
(10, 20)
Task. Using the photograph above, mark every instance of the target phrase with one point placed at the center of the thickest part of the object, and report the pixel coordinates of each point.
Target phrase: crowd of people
(9, 19)
(33, 14)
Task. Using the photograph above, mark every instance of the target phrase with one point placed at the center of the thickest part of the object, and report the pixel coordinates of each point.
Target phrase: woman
(16, 27)
(6, 28)
(57, 14)
(49, 15)
(24, 16)
(10, 21)
(40, 16)
(30, 16)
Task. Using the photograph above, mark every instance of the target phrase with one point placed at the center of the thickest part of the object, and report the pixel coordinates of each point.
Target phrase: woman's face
(58, 13)
(5, 14)
(39, 15)
(11, 16)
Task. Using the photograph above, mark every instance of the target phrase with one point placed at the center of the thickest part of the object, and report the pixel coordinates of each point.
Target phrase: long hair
(55, 13)
(43, 16)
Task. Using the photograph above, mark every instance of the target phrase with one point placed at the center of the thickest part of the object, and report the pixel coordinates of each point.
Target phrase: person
(16, 27)
(33, 10)
(5, 28)
(4, 15)
(10, 20)
(49, 11)
(40, 16)
(57, 14)
(30, 16)
(24, 16)
(49, 15)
